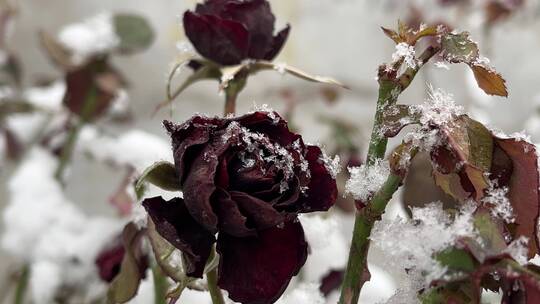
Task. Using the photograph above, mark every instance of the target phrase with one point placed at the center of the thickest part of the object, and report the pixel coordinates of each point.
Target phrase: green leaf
(126, 284)
(283, 68)
(167, 256)
(134, 31)
(492, 240)
(457, 48)
(170, 261)
(161, 174)
(456, 293)
(456, 259)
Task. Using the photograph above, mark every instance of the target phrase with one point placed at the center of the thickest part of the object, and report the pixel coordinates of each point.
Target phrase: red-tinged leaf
(126, 284)
(392, 35)
(523, 188)
(451, 185)
(419, 188)
(489, 81)
(425, 32)
(401, 157)
(520, 285)
(462, 162)
(91, 89)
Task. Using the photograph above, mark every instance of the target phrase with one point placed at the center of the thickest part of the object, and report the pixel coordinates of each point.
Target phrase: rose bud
(246, 179)
(229, 31)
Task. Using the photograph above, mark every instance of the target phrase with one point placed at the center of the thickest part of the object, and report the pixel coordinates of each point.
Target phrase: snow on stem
(356, 273)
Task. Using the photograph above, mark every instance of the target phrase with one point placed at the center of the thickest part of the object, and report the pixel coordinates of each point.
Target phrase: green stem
(215, 292)
(160, 285)
(356, 273)
(71, 141)
(22, 284)
(234, 87)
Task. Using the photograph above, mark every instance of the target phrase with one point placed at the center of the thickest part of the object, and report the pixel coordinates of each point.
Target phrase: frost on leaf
(366, 180)
(413, 243)
(439, 109)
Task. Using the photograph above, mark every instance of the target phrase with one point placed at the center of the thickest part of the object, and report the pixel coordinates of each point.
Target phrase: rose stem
(215, 292)
(232, 90)
(22, 284)
(69, 146)
(356, 273)
(160, 285)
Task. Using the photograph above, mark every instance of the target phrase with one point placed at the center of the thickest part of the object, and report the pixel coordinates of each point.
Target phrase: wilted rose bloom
(229, 31)
(245, 178)
(109, 260)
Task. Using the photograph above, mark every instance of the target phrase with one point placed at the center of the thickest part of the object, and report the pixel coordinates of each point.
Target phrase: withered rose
(109, 260)
(245, 178)
(229, 31)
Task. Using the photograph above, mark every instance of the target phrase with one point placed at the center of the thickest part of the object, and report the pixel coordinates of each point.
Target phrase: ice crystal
(367, 179)
(439, 109)
(332, 165)
(500, 204)
(412, 243)
(405, 51)
(519, 250)
(258, 145)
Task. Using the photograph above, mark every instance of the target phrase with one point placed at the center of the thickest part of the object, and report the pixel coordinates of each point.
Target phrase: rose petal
(256, 270)
(213, 7)
(252, 179)
(257, 17)
(260, 212)
(277, 44)
(270, 124)
(231, 219)
(175, 224)
(322, 189)
(187, 140)
(200, 183)
(223, 41)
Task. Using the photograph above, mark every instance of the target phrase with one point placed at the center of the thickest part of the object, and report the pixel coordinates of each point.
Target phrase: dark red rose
(109, 261)
(229, 31)
(245, 178)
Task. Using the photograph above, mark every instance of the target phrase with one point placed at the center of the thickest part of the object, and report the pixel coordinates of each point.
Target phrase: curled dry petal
(174, 223)
(258, 269)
